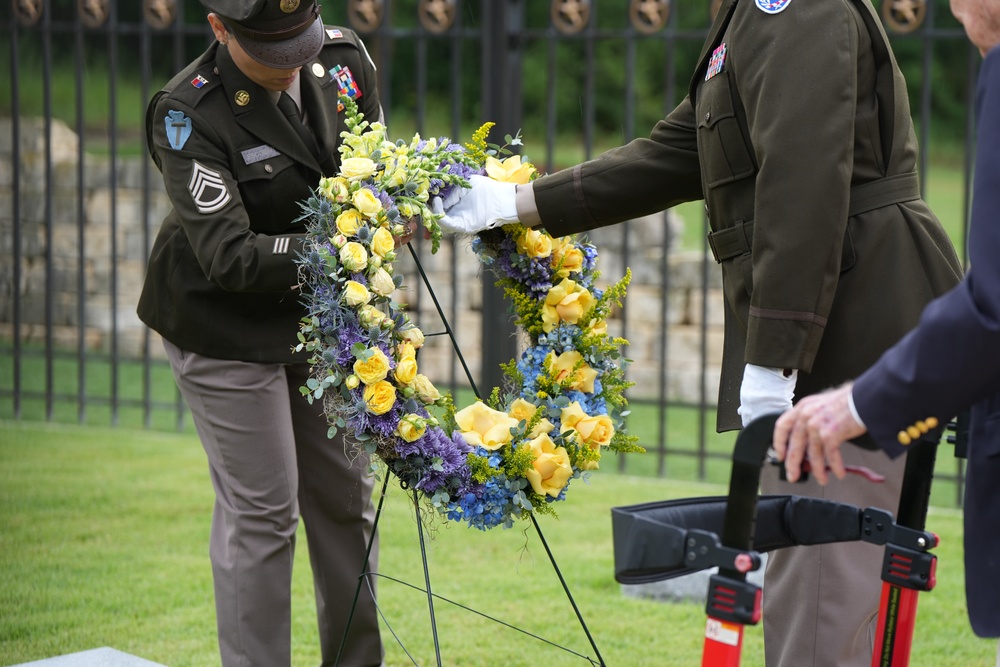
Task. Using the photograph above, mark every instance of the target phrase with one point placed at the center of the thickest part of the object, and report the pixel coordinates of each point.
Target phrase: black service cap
(283, 34)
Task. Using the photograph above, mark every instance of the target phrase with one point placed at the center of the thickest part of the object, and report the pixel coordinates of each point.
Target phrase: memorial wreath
(563, 404)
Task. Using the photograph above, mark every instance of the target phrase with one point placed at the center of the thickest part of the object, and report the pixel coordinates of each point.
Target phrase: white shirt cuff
(527, 211)
(854, 410)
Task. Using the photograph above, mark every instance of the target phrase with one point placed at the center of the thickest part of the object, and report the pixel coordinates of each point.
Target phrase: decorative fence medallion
(649, 16)
(904, 16)
(366, 15)
(28, 11)
(93, 13)
(160, 14)
(570, 17)
(437, 16)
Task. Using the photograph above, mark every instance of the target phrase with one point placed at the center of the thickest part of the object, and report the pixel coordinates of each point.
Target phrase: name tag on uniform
(258, 154)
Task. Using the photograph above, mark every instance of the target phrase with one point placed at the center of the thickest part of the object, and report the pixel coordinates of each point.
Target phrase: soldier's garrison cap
(283, 34)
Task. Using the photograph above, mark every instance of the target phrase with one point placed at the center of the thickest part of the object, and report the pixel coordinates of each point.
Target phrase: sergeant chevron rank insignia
(207, 188)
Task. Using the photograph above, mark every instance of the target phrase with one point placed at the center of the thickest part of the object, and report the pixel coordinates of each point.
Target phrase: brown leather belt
(738, 239)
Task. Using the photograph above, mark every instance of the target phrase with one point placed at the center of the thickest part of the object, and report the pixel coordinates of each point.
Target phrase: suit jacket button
(268, 168)
(904, 438)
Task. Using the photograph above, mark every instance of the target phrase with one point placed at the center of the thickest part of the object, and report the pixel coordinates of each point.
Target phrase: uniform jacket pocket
(270, 187)
(726, 155)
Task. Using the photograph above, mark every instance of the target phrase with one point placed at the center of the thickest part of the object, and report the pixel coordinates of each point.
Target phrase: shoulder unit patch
(772, 6)
(207, 188)
(178, 129)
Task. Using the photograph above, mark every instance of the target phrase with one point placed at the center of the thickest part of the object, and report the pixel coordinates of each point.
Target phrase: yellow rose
(352, 381)
(483, 426)
(406, 370)
(551, 469)
(562, 369)
(413, 336)
(405, 349)
(357, 168)
(593, 431)
(411, 427)
(381, 283)
(599, 327)
(510, 170)
(349, 222)
(366, 202)
(337, 189)
(370, 316)
(374, 368)
(356, 294)
(382, 242)
(425, 389)
(566, 257)
(565, 302)
(380, 397)
(543, 426)
(354, 257)
(535, 243)
(522, 410)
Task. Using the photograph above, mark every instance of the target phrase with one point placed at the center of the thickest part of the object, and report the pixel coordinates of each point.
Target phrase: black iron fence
(82, 202)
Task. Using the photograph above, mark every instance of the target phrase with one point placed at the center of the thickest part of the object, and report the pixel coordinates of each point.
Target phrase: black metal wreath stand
(363, 578)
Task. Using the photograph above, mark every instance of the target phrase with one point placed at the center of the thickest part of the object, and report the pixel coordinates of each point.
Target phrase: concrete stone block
(692, 587)
(98, 657)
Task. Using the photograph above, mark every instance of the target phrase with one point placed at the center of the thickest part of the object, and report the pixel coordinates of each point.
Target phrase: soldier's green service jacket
(797, 134)
(221, 279)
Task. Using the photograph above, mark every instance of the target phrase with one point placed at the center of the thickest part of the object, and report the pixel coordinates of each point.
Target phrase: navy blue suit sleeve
(952, 359)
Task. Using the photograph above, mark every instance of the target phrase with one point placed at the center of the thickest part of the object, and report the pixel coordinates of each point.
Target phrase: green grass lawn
(104, 542)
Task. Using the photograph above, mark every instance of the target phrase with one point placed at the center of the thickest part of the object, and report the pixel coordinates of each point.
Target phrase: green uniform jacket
(222, 279)
(828, 254)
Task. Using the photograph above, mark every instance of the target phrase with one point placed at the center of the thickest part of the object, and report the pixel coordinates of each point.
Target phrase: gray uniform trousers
(830, 590)
(269, 459)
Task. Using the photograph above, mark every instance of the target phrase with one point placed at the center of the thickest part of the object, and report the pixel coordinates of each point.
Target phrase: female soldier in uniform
(797, 134)
(241, 135)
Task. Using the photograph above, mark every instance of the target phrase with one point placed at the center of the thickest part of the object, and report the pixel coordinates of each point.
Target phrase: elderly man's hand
(815, 429)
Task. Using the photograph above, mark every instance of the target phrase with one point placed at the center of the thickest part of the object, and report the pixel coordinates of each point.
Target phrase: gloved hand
(765, 390)
(485, 205)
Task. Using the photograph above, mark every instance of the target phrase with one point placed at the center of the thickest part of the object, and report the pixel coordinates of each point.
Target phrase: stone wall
(82, 214)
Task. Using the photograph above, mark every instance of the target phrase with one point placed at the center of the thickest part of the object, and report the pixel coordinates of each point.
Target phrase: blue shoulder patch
(178, 129)
(772, 6)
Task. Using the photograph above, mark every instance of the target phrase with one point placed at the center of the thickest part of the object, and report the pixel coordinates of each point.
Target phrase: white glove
(485, 205)
(441, 204)
(764, 391)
